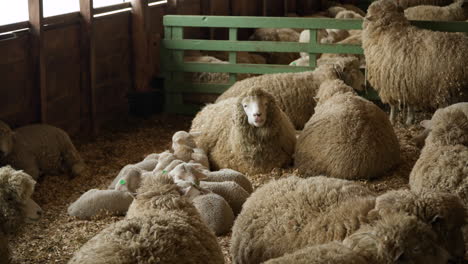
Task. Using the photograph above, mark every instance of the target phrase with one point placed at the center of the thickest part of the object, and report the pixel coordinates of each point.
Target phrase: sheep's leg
(392, 113)
(410, 115)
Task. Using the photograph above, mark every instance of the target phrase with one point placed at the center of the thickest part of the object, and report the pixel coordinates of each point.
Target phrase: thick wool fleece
(231, 142)
(400, 60)
(452, 12)
(295, 92)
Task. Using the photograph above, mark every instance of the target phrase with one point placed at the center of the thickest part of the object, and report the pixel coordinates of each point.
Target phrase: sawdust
(57, 236)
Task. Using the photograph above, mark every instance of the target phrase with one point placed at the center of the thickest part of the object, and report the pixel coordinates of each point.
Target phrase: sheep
(403, 72)
(409, 3)
(295, 92)
(232, 192)
(304, 37)
(185, 149)
(452, 12)
(393, 239)
(95, 202)
(230, 175)
(39, 149)
(215, 212)
(276, 34)
(161, 226)
(348, 137)
(292, 213)
(16, 205)
(336, 8)
(249, 133)
(208, 77)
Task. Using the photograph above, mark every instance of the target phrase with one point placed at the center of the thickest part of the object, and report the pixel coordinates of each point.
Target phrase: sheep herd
(176, 202)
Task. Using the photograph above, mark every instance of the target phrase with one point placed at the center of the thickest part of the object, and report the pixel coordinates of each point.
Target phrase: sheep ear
(399, 255)
(436, 219)
(195, 133)
(198, 174)
(190, 192)
(369, 18)
(426, 124)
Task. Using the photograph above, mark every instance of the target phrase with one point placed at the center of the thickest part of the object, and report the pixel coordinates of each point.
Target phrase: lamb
(215, 212)
(348, 137)
(185, 149)
(452, 12)
(304, 37)
(95, 202)
(393, 239)
(403, 72)
(295, 92)
(16, 205)
(276, 34)
(161, 226)
(249, 133)
(230, 175)
(409, 3)
(39, 149)
(292, 213)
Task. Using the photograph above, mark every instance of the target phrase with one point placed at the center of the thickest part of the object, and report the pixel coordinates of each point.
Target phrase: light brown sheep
(277, 34)
(295, 92)
(452, 12)
(403, 71)
(348, 137)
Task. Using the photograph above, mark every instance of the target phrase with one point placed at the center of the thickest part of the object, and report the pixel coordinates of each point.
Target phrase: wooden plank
(312, 43)
(88, 64)
(307, 7)
(260, 46)
(142, 60)
(106, 9)
(198, 87)
(274, 7)
(15, 26)
(62, 19)
(234, 68)
(232, 54)
(36, 17)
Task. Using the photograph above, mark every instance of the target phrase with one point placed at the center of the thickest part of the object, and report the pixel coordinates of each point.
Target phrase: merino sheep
(16, 205)
(230, 175)
(232, 192)
(295, 92)
(276, 34)
(161, 226)
(395, 238)
(403, 71)
(348, 137)
(95, 202)
(39, 149)
(249, 133)
(410, 3)
(208, 77)
(292, 213)
(215, 212)
(336, 8)
(452, 12)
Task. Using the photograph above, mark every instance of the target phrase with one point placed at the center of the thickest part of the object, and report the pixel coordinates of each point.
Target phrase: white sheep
(277, 34)
(161, 226)
(249, 134)
(39, 149)
(348, 137)
(215, 212)
(402, 71)
(295, 92)
(452, 12)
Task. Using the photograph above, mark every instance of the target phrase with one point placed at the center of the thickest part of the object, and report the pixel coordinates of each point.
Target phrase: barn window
(58, 7)
(15, 11)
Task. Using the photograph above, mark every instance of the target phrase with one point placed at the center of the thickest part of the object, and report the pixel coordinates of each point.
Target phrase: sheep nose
(258, 114)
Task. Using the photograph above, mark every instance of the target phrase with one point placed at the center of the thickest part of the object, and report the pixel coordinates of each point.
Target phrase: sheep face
(255, 108)
(353, 76)
(15, 199)
(383, 12)
(450, 127)
(6, 140)
(183, 138)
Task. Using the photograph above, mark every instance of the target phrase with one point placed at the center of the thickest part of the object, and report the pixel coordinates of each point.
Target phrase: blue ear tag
(122, 182)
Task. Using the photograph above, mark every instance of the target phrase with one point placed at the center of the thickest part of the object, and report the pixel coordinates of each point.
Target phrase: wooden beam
(36, 18)
(142, 59)
(88, 63)
(13, 27)
(274, 7)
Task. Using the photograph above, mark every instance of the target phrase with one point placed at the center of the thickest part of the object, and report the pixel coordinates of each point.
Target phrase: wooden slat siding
(111, 8)
(237, 68)
(37, 47)
(19, 97)
(157, 32)
(246, 8)
(14, 26)
(189, 7)
(308, 7)
(273, 7)
(233, 54)
(312, 43)
(88, 68)
(216, 8)
(142, 60)
(67, 19)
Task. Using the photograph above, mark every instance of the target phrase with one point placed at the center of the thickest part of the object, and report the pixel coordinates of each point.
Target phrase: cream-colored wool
(131, 176)
(295, 92)
(405, 73)
(410, 3)
(351, 40)
(277, 34)
(348, 137)
(304, 37)
(39, 149)
(215, 212)
(242, 57)
(230, 175)
(4, 250)
(161, 226)
(452, 12)
(292, 213)
(231, 142)
(95, 202)
(232, 192)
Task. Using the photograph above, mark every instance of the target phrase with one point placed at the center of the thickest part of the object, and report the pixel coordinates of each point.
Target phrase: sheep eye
(245, 105)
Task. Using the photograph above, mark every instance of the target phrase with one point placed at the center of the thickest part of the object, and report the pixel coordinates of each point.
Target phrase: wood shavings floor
(57, 236)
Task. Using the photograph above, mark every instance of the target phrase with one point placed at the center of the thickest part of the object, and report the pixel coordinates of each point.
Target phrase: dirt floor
(57, 236)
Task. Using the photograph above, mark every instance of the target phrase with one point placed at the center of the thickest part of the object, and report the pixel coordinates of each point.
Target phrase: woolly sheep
(16, 205)
(304, 37)
(351, 40)
(292, 213)
(348, 137)
(207, 77)
(232, 192)
(161, 226)
(452, 12)
(152, 156)
(295, 92)
(95, 202)
(185, 148)
(39, 149)
(410, 3)
(404, 72)
(251, 140)
(337, 7)
(277, 34)
(229, 175)
(215, 212)
(395, 238)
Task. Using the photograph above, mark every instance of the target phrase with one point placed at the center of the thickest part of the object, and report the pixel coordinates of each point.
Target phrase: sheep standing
(161, 226)
(249, 133)
(39, 149)
(348, 137)
(295, 92)
(403, 71)
(16, 205)
(452, 12)
(292, 213)
(410, 3)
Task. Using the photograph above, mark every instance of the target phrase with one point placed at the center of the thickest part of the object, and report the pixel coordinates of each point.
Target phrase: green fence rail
(174, 45)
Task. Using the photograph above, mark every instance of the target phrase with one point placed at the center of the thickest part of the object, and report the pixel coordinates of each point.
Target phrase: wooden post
(37, 49)
(142, 61)
(88, 61)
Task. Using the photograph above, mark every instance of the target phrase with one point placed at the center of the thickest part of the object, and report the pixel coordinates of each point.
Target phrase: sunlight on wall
(13, 12)
(58, 7)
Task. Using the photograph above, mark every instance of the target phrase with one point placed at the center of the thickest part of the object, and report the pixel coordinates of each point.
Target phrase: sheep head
(183, 138)
(15, 199)
(254, 107)
(344, 68)
(449, 127)
(330, 88)
(383, 13)
(6, 140)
